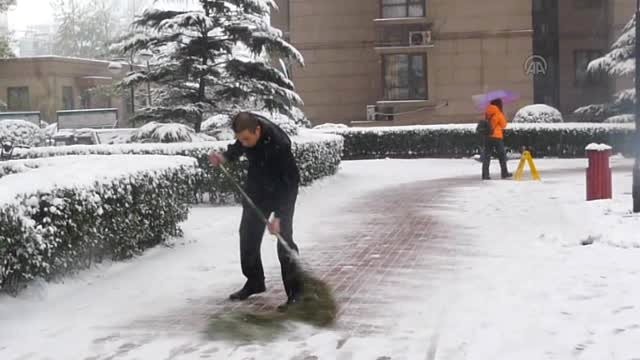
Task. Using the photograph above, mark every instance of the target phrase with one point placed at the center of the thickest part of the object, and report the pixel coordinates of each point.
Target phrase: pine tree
(618, 62)
(212, 60)
(5, 47)
(5, 4)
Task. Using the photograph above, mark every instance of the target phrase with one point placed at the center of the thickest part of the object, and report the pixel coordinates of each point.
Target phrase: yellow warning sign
(526, 159)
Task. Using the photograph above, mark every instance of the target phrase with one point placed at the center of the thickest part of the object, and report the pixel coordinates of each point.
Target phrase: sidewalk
(420, 261)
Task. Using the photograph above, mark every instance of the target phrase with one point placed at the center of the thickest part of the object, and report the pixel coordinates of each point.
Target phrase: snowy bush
(538, 113)
(621, 119)
(20, 132)
(50, 130)
(62, 214)
(218, 127)
(317, 155)
(164, 133)
(330, 126)
(454, 141)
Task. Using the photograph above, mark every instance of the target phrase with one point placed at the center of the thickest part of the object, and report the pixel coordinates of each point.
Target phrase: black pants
(492, 146)
(252, 230)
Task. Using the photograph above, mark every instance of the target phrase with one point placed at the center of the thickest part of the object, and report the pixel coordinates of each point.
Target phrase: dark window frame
(68, 102)
(588, 4)
(407, 5)
(13, 107)
(412, 97)
(589, 79)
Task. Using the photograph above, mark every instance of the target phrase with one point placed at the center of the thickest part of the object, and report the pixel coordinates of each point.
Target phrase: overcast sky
(36, 12)
(30, 12)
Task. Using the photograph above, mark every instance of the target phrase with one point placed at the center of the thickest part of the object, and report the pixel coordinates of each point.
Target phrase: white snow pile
(538, 113)
(621, 119)
(330, 126)
(470, 128)
(165, 133)
(50, 130)
(115, 136)
(218, 127)
(598, 147)
(46, 174)
(284, 122)
(20, 132)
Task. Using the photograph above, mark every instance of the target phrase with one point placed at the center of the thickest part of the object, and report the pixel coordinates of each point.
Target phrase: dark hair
(245, 121)
(498, 103)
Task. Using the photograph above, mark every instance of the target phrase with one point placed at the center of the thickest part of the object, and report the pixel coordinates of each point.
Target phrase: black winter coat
(273, 177)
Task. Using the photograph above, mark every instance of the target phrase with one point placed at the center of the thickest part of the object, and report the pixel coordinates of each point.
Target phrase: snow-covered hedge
(562, 140)
(538, 114)
(621, 119)
(20, 132)
(62, 214)
(165, 133)
(317, 155)
(219, 126)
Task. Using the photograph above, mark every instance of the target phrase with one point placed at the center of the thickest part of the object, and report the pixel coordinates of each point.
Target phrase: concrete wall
(581, 29)
(344, 71)
(45, 78)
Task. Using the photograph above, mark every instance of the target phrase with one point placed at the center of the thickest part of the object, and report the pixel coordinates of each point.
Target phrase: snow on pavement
(85, 309)
(538, 293)
(533, 285)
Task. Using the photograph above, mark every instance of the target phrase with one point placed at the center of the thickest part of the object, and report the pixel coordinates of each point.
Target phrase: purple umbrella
(483, 100)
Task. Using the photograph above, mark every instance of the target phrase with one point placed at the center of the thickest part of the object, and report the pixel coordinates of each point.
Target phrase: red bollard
(598, 172)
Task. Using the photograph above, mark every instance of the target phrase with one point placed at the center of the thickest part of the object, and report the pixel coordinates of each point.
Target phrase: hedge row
(318, 155)
(53, 222)
(455, 141)
(62, 212)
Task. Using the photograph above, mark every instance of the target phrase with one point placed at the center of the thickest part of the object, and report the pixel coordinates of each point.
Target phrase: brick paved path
(375, 248)
(395, 244)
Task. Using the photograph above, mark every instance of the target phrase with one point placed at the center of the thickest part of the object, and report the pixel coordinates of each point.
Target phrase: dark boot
(291, 301)
(246, 291)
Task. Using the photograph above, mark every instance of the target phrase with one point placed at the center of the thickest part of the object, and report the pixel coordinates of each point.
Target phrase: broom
(318, 306)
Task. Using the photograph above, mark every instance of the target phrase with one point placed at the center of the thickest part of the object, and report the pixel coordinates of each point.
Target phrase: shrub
(62, 214)
(454, 141)
(317, 155)
(538, 114)
(20, 132)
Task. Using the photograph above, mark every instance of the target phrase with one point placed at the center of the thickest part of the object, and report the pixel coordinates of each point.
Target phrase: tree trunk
(202, 87)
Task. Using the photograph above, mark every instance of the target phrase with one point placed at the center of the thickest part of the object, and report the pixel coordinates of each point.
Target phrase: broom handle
(250, 202)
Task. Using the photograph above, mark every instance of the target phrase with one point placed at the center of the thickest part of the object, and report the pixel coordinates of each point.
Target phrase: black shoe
(246, 291)
(292, 301)
(486, 178)
(507, 176)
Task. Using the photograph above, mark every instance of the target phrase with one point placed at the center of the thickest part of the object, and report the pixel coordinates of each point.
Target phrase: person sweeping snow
(272, 185)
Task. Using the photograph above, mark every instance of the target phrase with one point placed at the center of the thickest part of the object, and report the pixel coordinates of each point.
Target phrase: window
(588, 4)
(582, 59)
(85, 99)
(67, 98)
(392, 9)
(542, 5)
(18, 99)
(405, 77)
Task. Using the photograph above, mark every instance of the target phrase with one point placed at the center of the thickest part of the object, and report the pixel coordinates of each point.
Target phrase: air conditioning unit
(371, 113)
(420, 38)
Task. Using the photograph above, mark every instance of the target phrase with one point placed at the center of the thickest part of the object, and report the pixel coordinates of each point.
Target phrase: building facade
(400, 62)
(50, 83)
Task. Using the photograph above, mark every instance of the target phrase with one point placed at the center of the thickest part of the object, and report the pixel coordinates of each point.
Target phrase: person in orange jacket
(495, 141)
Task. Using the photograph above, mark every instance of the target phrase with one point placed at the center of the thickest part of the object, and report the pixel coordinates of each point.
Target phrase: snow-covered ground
(533, 292)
